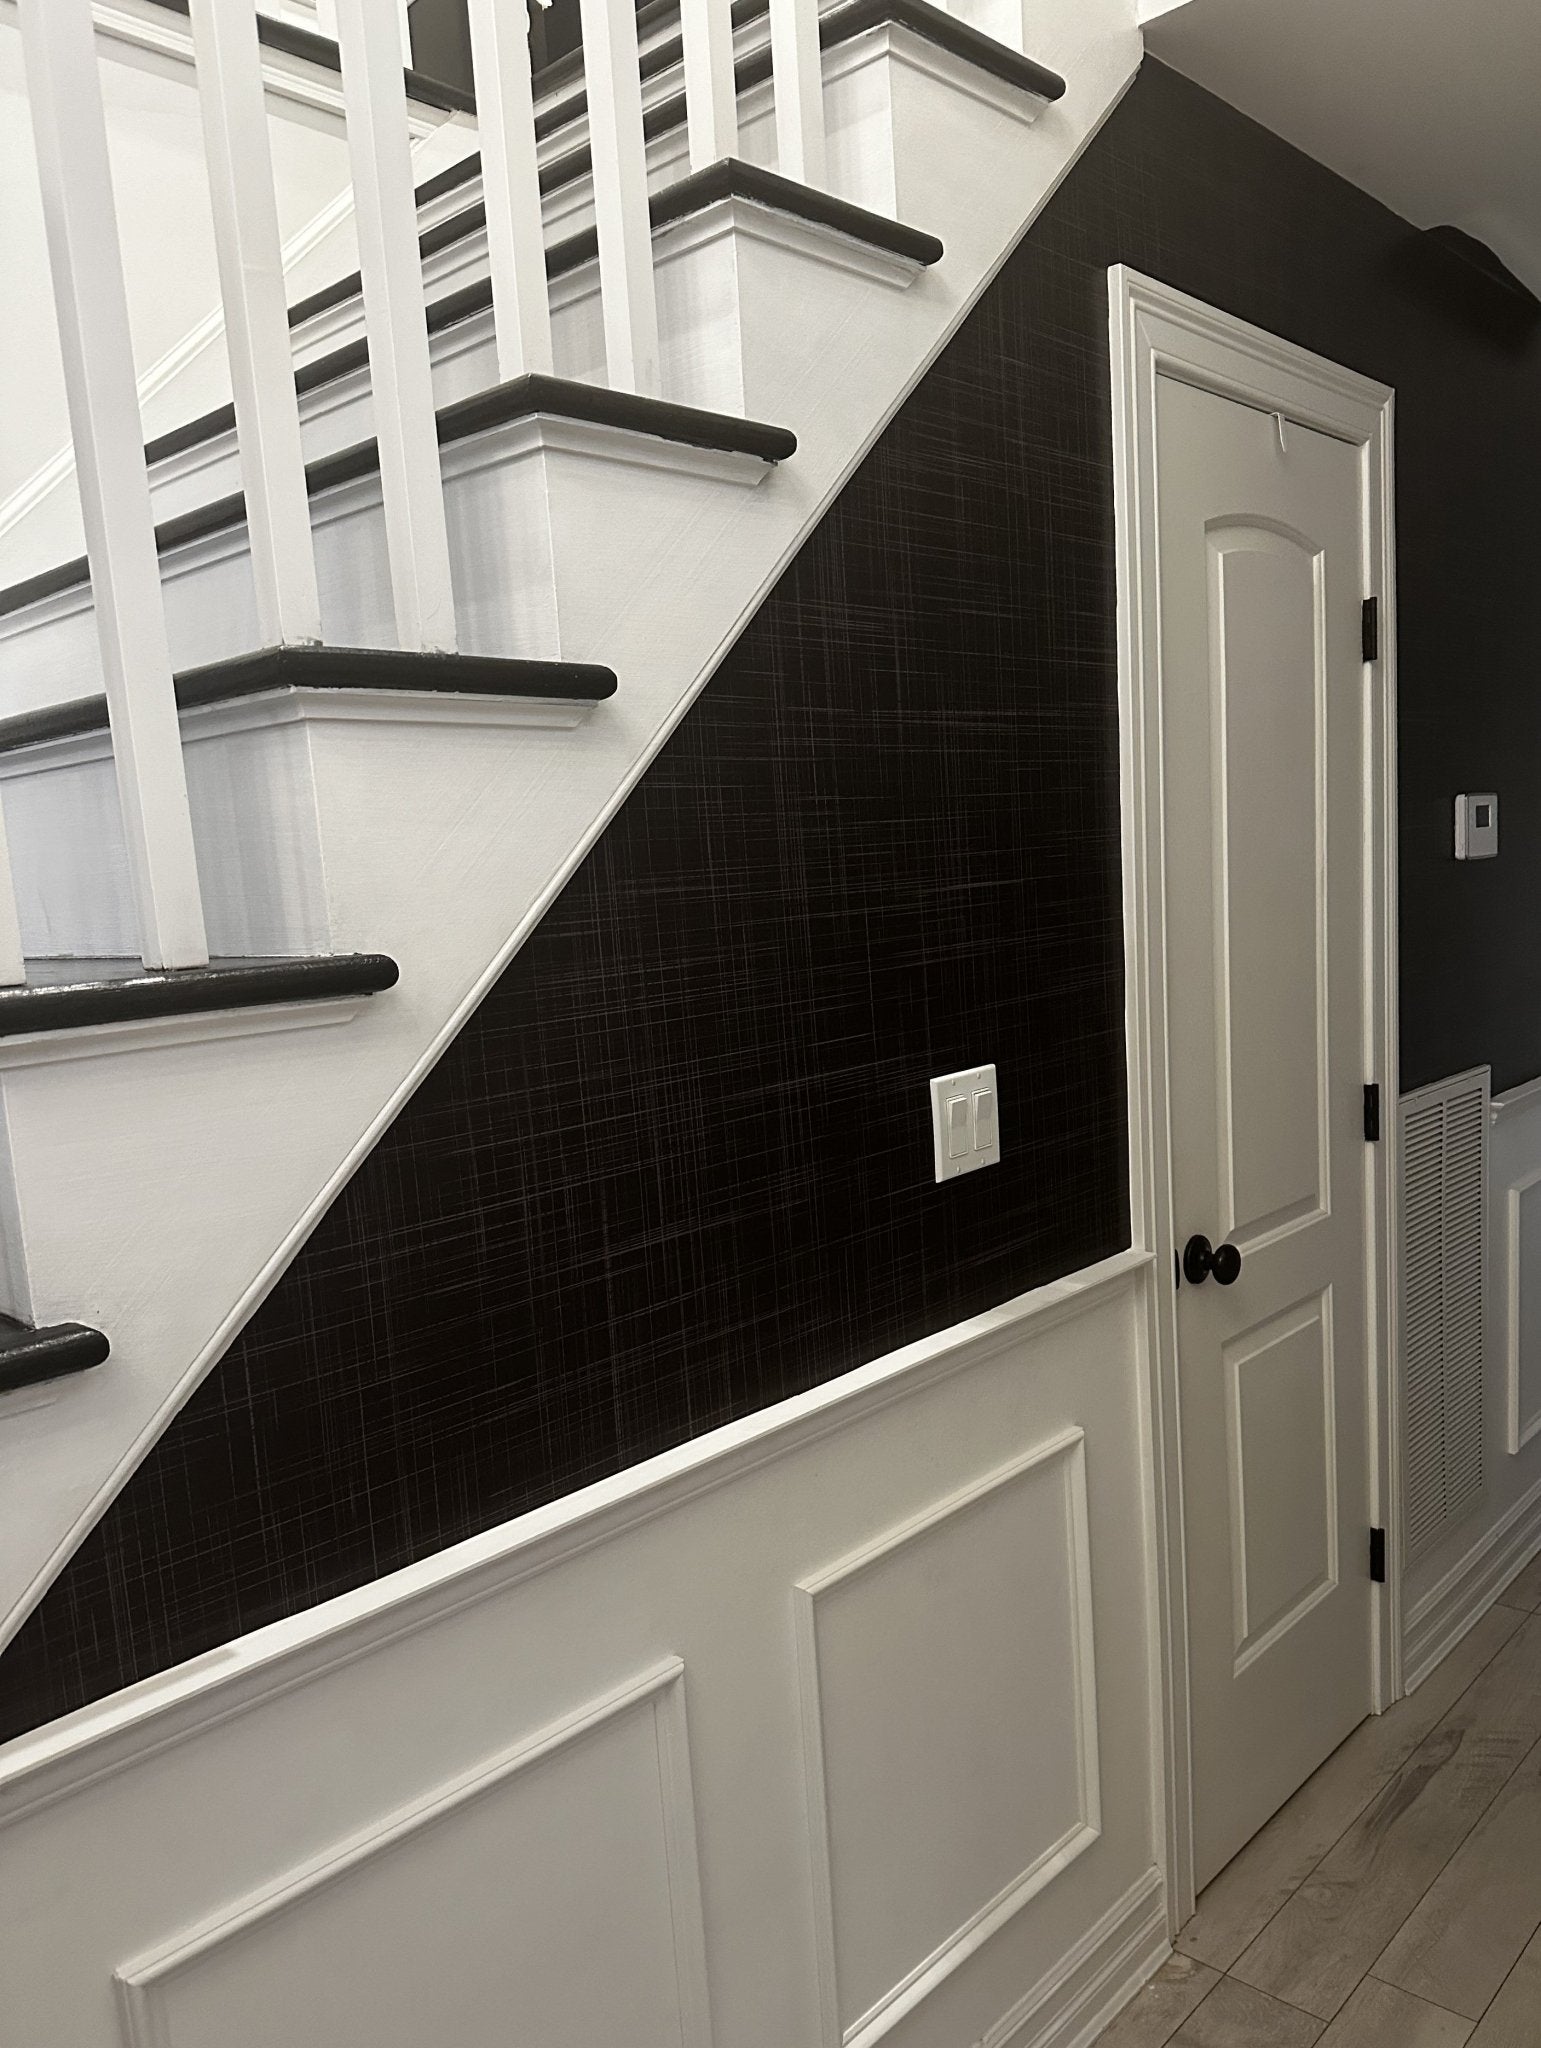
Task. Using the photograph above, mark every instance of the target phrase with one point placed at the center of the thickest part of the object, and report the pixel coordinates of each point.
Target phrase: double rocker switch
(965, 1122)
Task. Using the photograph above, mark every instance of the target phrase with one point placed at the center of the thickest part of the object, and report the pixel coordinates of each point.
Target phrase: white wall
(833, 1726)
(1458, 1580)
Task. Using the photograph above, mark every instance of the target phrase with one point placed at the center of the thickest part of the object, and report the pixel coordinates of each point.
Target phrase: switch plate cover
(965, 1122)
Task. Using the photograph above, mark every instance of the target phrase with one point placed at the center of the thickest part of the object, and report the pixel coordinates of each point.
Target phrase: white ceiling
(1432, 105)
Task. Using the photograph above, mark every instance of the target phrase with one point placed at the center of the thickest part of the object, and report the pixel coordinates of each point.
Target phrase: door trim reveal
(1156, 331)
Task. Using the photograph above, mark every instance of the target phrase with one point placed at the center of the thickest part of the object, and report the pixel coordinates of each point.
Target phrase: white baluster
(400, 371)
(516, 243)
(614, 87)
(711, 96)
(59, 48)
(797, 85)
(251, 281)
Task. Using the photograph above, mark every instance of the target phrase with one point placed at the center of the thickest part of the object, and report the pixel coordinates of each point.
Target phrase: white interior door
(1261, 576)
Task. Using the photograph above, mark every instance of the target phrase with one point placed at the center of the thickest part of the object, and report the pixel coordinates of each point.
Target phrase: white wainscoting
(1455, 1585)
(911, 1616)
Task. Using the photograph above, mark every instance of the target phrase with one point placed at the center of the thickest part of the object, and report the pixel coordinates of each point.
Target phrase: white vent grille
(1444, 1218)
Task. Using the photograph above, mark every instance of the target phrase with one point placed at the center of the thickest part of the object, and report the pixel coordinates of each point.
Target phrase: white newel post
(400, 369)
(516, 243)
(797, 86)
(711, 95)
(251, 280)
(613, 84)
(59, 51)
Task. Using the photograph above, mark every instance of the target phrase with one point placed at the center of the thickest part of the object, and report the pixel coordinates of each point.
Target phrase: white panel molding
(258, 1896)
(1526, 1191)
(1054, 1857)
(1457, 1601)
(1155, 329)
(1094, 1980)
(144, 1983)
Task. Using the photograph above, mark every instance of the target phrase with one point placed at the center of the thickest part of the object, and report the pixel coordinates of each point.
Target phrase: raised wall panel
(1283, 1472)
(951, 1731)
(1522, 1250)
(551, 1898)
(1266, 596)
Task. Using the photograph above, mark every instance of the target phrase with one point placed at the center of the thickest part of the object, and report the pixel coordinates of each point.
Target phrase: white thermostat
(1476, 826)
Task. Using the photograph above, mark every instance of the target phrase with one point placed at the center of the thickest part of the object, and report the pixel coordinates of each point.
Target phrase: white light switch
(965, 1122)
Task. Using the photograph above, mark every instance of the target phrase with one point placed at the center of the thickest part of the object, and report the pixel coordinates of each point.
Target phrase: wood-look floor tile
(1380, 2016)
(1255, 1884)
(1473, 1924)
(1324, 1940)
(1525, 1591)
(1236, 2016)
(1513, 2020)
(1154, 2014)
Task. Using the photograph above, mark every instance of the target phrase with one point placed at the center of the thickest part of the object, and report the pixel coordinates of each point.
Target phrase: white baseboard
(1071, 2003)
(1455, 1603)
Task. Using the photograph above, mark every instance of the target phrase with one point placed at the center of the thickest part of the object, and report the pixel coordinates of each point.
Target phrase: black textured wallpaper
(883, 845)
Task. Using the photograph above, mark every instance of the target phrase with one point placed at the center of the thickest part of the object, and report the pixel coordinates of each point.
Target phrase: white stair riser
(879, 97)
(535, 561)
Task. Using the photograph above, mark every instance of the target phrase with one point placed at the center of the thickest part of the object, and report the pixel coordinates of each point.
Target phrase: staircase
(296, 755)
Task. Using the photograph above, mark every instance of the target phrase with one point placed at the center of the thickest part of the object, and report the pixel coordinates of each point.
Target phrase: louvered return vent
(1444, 1225)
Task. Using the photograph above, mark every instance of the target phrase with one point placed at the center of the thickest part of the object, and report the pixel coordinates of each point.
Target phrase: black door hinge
(1372, 1112)
(1378, 1556)
(1369, 628)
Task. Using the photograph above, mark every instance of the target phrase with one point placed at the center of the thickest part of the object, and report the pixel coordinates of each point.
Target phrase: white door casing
(1262, 1588)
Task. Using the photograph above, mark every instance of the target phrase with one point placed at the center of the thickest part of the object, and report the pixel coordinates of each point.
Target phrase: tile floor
(1395, 1902)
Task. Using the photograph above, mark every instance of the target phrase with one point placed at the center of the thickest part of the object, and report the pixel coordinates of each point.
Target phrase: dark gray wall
(884, 844)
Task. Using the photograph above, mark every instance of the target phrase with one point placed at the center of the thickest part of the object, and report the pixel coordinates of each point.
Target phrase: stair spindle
(797, 87)
(629, 304)
(400, 368)
(516, 246)
(711, 95)
(85, 258)
(249, 252)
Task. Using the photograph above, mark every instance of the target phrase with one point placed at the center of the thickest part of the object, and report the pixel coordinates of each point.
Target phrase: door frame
(1158, 331)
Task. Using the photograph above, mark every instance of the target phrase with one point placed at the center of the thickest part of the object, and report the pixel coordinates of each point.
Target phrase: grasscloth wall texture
(678, 1167)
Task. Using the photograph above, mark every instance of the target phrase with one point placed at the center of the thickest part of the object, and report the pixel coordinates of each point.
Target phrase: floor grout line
(1361, 1811)
(1477, 1820)
(1529, 1616)
(1499, 1992)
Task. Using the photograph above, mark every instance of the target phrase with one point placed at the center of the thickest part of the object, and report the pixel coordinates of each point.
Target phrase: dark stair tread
(294, 41)
(522, 398)
(731, 177)
(29, 1357)
(66, 995)
(333, 668)
(840, 25)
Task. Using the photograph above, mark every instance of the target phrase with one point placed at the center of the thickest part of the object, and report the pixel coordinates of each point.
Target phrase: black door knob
(1201, 1258)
